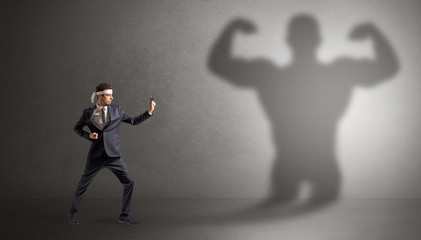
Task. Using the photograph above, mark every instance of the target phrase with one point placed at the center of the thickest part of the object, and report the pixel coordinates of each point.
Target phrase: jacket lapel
(110, 111)
(91, 114)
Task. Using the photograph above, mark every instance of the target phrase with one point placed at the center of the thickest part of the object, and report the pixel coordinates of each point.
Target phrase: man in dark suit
(103, 120)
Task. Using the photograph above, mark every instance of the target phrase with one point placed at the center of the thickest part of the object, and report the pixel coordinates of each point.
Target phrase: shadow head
(303, 34)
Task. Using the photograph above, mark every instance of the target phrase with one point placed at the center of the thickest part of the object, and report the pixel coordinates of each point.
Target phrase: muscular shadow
(304, 102)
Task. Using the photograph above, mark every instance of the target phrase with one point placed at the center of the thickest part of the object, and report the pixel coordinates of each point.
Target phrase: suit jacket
(108, 138)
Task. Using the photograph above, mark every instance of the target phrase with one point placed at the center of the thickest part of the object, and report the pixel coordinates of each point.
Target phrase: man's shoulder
(115, 109)
(114, 106)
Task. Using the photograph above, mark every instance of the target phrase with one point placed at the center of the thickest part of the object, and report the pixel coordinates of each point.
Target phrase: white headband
(108, 91)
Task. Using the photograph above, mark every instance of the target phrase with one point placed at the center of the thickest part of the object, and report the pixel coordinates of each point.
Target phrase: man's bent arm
(78, 128)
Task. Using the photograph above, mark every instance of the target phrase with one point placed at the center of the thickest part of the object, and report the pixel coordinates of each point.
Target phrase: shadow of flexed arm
(369, 72)
(235, 70)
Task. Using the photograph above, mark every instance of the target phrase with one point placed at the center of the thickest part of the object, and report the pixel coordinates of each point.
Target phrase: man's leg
(92, 167)
(119, 168)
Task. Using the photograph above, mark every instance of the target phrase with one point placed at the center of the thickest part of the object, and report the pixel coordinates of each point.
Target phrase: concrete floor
(215, 219)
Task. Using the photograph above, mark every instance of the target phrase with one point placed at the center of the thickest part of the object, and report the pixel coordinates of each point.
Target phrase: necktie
(103, 118)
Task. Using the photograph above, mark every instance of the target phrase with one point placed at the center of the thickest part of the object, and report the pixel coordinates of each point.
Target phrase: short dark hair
(103, 86)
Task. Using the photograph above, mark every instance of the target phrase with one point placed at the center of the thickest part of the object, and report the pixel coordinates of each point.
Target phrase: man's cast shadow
(304, 102)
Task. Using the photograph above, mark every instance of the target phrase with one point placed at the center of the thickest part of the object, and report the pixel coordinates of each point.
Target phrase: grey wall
(220, 129)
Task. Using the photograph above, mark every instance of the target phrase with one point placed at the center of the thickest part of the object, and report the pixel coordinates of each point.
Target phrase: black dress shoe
(73, 219)
(126, 219)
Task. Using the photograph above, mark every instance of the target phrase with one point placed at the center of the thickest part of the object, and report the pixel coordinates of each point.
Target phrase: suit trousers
(94, 165)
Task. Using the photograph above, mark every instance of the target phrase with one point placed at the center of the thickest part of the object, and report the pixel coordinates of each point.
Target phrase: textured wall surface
(254, 98)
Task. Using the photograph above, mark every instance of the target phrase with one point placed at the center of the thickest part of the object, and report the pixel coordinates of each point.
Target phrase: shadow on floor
(213, 219)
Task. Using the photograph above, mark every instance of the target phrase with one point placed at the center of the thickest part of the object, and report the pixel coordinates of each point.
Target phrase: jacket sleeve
(125, 117)
(78, 128)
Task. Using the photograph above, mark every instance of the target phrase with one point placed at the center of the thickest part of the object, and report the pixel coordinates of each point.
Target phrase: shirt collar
(99, 108)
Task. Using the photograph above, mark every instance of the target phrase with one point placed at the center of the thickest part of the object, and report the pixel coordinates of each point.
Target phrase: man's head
(104, 99)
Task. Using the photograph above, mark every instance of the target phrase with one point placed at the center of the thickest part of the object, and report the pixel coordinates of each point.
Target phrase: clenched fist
(93, 135)
(152, 105)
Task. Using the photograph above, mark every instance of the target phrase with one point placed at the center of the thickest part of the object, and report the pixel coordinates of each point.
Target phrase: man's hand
(93, 135)
(152, 105)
